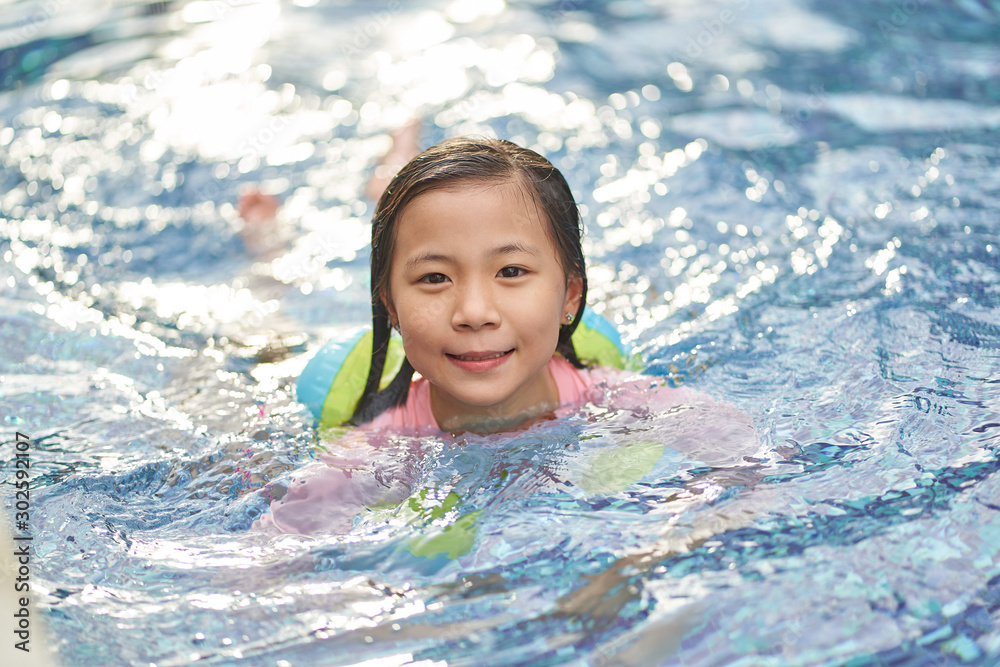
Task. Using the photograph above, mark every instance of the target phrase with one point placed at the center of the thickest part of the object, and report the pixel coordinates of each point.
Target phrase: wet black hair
(455, 161)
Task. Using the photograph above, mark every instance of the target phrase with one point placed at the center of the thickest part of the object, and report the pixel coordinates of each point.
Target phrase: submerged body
(355, 474)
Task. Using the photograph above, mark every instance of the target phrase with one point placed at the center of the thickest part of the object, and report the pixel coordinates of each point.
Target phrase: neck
(521, 409)
(484, 425)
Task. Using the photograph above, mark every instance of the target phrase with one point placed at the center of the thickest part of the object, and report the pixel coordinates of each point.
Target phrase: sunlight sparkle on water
(800, 233)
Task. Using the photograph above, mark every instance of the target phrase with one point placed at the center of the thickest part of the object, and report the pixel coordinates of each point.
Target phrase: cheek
(415, 335)
(544, 318)
(554, 303)
(419, 313)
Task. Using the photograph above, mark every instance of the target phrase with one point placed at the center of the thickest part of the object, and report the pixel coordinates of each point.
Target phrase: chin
(488, 403)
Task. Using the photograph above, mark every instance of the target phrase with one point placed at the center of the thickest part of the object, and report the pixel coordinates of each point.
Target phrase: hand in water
(260, 225)
(255, 206)
(259, 211)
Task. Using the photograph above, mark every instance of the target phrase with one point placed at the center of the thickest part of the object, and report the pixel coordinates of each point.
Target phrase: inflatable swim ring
(332, 382)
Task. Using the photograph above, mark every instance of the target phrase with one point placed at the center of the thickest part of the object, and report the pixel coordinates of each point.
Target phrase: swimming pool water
(790, 206)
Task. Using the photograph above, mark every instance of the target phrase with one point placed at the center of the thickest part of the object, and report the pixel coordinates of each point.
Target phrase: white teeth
(463, 357)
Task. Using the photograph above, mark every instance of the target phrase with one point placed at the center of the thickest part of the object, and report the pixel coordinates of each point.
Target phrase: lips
(479, 361)
(478, 356)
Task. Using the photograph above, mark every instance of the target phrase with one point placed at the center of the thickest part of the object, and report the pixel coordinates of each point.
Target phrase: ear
(390, 308)
(574, 289)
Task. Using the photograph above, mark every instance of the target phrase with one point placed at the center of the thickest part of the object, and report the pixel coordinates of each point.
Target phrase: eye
(434, 278)
(511, 272)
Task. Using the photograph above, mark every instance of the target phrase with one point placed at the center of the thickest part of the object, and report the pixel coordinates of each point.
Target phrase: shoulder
(692, 422)
(601, 384)
(415, 413)
(619, 389)
(629, 389)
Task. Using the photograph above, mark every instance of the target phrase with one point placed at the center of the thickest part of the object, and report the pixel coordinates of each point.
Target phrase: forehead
(472, 212)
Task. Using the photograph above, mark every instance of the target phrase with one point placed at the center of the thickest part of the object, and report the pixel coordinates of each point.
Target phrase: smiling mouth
(480, 357)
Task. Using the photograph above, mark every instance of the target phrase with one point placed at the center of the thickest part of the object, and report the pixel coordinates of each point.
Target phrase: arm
(664, 429)
(693, 423)
(325, 496)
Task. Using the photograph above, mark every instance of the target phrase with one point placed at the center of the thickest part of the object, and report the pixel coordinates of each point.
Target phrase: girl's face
(478, 293)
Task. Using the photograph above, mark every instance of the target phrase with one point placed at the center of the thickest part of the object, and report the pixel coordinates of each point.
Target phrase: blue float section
(316, 379)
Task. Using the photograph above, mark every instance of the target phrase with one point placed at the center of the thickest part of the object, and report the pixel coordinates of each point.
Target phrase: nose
(475, 307)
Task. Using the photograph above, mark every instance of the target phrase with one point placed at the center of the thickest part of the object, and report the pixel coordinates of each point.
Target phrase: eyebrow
(506, 249)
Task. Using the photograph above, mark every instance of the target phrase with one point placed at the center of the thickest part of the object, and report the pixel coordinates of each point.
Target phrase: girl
(476, 261)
